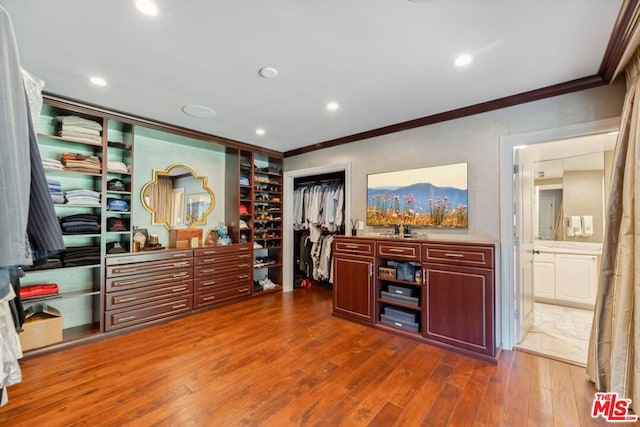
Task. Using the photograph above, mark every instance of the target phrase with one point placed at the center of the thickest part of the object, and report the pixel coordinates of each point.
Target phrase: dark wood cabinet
(437, 292)
(460, 295)
(460, 306)
(353, 271)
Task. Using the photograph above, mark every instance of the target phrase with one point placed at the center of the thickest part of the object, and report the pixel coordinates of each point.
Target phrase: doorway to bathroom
(557, 192)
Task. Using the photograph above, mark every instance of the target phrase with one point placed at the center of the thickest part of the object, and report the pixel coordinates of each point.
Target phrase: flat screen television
(427, 197)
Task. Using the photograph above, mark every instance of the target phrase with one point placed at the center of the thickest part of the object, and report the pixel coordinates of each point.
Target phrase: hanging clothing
(318, 208)
(28, 223)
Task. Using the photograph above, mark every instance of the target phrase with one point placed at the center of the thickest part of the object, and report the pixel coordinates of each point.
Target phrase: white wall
(473, 139)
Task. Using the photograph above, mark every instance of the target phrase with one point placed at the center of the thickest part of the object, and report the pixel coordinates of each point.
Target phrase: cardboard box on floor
(41, 329)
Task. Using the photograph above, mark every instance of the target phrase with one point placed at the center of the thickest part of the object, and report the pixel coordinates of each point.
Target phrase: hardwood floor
(282, 360)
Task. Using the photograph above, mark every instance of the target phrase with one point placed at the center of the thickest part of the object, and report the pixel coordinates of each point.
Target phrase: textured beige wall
(474, 139)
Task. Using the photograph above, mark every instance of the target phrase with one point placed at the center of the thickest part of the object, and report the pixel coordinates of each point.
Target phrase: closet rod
(321, 181)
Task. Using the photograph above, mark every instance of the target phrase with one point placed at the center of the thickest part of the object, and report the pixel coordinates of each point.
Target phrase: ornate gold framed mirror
(178, 197)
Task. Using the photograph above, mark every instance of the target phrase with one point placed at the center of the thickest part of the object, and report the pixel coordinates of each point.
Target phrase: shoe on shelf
(267, 283)
(257, 245)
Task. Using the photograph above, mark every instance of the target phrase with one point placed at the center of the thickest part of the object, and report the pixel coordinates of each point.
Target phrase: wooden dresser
(222, 274)
(440, 292)
(143, 287)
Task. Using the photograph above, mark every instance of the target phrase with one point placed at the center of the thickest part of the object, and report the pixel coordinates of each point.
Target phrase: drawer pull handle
(124, 319)
(244, 276)
(210, 282)
(243, 265)
(240, 291)
(175, 276)
(454, 255)
(351, 246)
(243, 256)
(243, 248)
(125, 270)
(178, 289)
(208, 298)
(179, 306)
(398, 251)
(210, 252)
(125, 282)
(208, 270)
(181, 264)
(178, 255)
(126, 299)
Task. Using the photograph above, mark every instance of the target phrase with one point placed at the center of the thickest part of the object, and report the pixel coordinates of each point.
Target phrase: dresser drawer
(223, 258)
(222, 269)
(223, 250)
(240, 290)
(456, 254)
(149, 294)
(354, 246)
(148, 267)
(147, 256)
(144, 280)
(141, 314)
(398, 250)
(221, 280)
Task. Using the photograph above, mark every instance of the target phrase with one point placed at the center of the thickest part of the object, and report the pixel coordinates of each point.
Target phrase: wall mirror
(178, 197)
(571, 185)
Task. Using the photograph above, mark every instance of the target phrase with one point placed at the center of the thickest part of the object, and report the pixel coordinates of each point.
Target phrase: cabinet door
(576, 278)
(353, 287)
(545, 279)
(460, 307)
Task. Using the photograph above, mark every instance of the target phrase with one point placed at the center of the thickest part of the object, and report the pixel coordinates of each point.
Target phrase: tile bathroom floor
(559, 332)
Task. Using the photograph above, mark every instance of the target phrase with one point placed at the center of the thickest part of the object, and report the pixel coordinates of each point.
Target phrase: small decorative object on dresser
(181, 237)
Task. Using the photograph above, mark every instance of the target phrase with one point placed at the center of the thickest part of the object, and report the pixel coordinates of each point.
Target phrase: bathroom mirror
(178, 197)
(570, 197)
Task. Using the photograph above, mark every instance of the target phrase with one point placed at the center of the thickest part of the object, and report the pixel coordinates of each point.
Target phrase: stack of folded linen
(39, 290)
(52, 261)
(52, 164)
(81, 163)
(81, 255)
(55, 189)
(118, 167)
(82, 197)
(80, 224)
(78, 128)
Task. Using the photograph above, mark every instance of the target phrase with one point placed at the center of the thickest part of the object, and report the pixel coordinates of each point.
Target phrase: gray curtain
(615, 334)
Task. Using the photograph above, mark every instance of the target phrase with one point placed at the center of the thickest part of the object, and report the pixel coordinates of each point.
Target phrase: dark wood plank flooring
(282, 360)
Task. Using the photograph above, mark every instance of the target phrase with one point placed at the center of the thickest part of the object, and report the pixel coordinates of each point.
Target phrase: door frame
(507, 302)
(289, 176)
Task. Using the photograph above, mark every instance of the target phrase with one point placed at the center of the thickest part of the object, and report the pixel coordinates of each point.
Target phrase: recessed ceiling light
(332, 106)
(260, 132)
(198, 111)
(462, 60)
(98, 81)
(148, 7)
(268, 72)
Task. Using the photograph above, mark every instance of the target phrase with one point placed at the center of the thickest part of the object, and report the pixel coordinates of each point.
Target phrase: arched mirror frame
(167, 172)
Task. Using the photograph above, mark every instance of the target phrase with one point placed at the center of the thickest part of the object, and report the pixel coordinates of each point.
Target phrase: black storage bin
(410, 326)
(400, 290)
(401, 313)
(400, 298)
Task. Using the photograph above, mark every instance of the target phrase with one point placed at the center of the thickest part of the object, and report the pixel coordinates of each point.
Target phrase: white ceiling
(383, 61)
